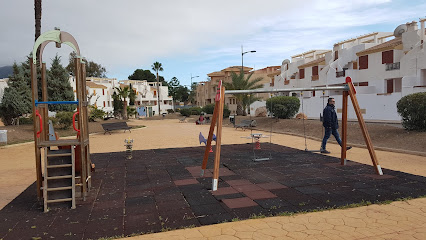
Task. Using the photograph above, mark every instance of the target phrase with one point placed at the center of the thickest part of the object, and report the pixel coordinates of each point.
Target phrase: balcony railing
(341, 73)
(393, 66)
(315, 77)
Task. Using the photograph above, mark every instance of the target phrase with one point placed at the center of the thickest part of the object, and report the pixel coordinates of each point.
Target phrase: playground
(160, 188)
(162, 180)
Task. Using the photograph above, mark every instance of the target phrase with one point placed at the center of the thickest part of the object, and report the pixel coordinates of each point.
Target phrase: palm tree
(124, 93)
(239, 82)
(37, 11)
(157, 67)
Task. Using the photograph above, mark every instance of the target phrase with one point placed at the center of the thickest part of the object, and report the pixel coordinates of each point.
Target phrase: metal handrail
(334, 88)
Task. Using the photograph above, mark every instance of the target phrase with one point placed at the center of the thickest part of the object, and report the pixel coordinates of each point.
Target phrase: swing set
(348, 90)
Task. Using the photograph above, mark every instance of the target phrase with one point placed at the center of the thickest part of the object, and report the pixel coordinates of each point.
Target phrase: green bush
(226, 112)
(209, 108)
(283, 107)
(185, 112)
(170, 111)
(96, 113)
(412, 109)
(26, 120)
(64, 119)
(131, 111)
(177, 110)
(196, 110)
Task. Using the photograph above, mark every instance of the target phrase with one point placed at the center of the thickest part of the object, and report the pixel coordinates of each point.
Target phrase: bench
(108, 127)
(244, 124)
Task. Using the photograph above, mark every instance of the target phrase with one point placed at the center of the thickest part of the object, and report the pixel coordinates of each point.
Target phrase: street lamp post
(190, 87)
(242, 67)
(242, 57)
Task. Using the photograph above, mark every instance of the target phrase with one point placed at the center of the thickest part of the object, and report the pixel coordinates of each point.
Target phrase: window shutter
(314, 70)
(387, 57)
(363, 62)
(301, 73)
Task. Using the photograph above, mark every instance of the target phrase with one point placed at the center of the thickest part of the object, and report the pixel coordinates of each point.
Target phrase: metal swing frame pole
(350, 89)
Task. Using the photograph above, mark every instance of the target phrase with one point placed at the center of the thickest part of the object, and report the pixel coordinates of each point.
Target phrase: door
(389, 87)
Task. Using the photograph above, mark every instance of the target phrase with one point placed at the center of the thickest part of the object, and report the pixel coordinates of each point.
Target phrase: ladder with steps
(59, 177)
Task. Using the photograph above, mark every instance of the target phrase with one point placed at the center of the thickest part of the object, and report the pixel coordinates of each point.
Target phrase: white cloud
(131, 34)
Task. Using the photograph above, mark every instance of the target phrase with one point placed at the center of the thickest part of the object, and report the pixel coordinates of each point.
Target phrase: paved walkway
(398, 220)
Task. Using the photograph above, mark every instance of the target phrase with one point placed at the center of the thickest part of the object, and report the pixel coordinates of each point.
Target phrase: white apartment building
(100, 90)
(3, 85)
(383, 68)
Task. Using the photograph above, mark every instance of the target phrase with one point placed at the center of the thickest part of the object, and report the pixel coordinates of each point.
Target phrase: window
(389, 86)
(301, 73)
(94, 91)
(287, 67)
(393, 85)
(272, 82)
(104, 104)
(103, 92)
(109, 104)
(355, 65)
(336, 55)
(363, 62)
(155, 93)
(387, 57)
(314, 70)
(313, 93)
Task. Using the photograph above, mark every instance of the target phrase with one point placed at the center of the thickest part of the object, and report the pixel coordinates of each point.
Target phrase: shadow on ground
(161, 189)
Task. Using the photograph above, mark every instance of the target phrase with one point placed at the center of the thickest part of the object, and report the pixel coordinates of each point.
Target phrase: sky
(195, 37)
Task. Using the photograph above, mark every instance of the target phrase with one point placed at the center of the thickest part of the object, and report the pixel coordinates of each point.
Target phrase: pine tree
(17, 96)
(59, 87)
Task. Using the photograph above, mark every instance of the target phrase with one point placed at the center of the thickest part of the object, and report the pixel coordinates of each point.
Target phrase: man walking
(331, 125)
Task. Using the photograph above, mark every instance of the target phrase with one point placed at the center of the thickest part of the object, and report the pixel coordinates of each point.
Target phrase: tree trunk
(125, 109)
(239, 108)
(158, 96)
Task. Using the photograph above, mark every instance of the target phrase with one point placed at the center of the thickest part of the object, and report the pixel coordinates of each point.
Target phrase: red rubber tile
(186, 182)
(247, 188)
(239, 202)
(224, 191)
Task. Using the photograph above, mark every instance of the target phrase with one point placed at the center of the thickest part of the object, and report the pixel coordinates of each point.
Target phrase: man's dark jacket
(330, 117)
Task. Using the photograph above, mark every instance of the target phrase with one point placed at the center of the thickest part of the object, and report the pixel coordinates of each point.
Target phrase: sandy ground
(17, 164)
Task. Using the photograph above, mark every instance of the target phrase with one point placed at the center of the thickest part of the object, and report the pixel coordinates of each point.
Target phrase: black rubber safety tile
(140, 195)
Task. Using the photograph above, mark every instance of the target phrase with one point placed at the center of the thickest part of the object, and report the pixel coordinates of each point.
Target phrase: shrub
(185, 112)
(195, 110)
(283, 106)
(209, 108)
(170, 111)
(96, 113)
(26, 120)
(412, 109)
(131, 111)
(64, 119)
(226, 112)
(177, 110)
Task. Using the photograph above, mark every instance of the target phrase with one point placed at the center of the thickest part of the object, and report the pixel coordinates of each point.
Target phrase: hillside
(6, 71)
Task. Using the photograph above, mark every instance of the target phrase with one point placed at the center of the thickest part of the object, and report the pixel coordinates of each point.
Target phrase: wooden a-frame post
(217, 117)
(352, 93)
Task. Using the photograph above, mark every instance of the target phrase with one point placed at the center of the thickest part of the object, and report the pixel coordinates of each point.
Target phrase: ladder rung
(59, 200)
(59, 166)
(59, 188)
(59, 177)
(59, 155)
